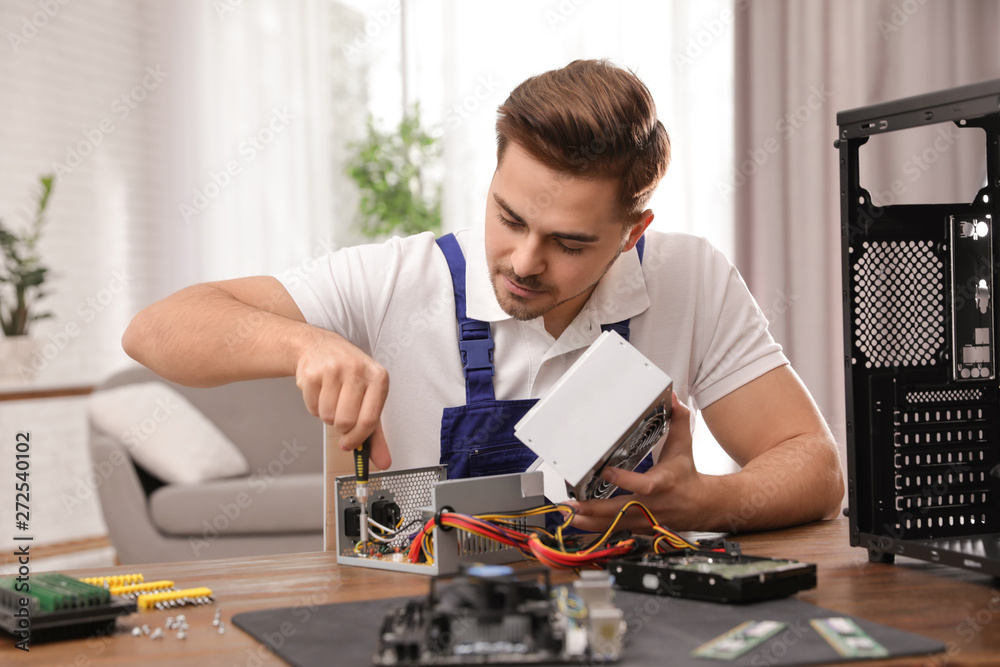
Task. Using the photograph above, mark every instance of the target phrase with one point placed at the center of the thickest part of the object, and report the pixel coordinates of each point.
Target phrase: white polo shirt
(691, 314)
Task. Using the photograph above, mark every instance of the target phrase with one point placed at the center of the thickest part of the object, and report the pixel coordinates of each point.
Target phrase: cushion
(256, 505)
(165, 434)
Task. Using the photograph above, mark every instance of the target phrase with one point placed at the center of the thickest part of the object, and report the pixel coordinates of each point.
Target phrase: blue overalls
(477, 438)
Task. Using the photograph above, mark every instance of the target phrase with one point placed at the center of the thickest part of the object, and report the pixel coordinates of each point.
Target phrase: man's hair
(592, 120)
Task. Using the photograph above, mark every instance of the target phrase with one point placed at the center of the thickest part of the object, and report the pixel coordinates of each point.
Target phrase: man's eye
(513, 224)
(508, 223)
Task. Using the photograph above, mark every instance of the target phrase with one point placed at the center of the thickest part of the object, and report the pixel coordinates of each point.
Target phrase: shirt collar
(621, 293)
(481, 301)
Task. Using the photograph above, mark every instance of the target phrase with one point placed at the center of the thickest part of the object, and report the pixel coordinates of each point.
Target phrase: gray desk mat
(661, 631)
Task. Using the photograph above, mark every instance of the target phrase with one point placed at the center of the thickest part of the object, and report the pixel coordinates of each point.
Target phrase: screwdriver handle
(361, 456)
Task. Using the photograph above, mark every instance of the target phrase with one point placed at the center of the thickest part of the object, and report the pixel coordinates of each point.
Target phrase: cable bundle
(550, 549)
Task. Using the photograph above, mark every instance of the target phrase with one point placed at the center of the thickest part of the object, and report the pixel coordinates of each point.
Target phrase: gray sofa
(276, 508)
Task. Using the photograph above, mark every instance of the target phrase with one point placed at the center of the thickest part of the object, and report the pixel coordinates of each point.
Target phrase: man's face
(549, 239)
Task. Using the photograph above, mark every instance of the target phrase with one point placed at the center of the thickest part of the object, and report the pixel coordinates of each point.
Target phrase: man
(579, 153)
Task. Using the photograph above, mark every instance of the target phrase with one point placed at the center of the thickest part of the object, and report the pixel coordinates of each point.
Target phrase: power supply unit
(609, 409)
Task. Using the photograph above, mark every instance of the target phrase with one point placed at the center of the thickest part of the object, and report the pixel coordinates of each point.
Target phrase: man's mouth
(517, 290)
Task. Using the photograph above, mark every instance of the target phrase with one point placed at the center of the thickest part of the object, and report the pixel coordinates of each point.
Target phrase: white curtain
(248, 141)
(798, 63)
(480, 51)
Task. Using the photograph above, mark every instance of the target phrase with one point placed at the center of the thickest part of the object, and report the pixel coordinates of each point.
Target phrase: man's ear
(638, 229)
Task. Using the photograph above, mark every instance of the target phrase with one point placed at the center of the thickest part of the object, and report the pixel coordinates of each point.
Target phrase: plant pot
(16, 355)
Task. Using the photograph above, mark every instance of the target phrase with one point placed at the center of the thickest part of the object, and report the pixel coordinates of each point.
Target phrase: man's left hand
(670, 489)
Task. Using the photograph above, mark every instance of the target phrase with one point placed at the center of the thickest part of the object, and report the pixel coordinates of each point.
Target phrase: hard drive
(716, 577)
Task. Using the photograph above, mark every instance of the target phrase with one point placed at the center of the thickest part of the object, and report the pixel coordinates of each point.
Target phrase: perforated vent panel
(944, 396)
(470, 544)
(410, 490)
(898, 303)
(942, 461)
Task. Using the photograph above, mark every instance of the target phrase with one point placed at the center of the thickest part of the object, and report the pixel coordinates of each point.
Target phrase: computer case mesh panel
(920, 348)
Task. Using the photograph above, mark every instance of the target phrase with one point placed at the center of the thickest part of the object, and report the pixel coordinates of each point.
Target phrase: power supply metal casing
(421, 493)
(920, 347)
(610, 408)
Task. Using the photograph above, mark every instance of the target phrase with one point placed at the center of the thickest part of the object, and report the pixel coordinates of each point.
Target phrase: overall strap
(475, 342)
(621, 328)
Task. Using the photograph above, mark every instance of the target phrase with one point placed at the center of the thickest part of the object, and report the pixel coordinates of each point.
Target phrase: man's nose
(527, 259)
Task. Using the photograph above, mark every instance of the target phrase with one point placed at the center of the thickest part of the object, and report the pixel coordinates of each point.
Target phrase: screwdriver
(361, 455)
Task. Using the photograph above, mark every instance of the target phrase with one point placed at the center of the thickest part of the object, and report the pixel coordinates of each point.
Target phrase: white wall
(82, 93)
(81, 90)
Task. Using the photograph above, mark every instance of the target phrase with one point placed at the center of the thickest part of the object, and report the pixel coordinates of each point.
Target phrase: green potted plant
(393, 171)
(22, 277)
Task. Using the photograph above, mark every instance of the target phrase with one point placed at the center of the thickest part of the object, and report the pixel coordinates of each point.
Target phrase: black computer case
(920, 335)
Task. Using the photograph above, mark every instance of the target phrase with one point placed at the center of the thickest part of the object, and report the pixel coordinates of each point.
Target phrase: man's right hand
(250, 328)
(346, 389)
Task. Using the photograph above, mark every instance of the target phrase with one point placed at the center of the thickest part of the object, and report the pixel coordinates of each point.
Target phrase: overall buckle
(477, 353)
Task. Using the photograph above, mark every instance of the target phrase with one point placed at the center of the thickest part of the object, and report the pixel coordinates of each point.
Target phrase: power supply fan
(630, 453)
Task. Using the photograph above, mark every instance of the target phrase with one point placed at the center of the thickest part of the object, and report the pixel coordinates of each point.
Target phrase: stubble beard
(518, 307)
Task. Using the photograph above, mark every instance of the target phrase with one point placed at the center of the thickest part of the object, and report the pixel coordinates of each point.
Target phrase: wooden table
(15, 392)
(959, 608)
(64, 376)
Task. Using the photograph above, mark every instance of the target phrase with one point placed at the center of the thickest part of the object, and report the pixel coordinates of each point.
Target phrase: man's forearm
(795, 482)
(203, 336)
